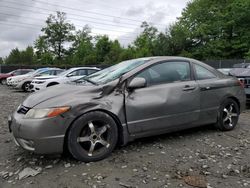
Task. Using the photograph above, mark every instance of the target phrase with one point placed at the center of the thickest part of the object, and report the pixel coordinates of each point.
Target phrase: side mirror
(137, 82)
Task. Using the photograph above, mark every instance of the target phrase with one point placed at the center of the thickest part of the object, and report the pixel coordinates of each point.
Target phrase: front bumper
(37, 87)
(41, 136)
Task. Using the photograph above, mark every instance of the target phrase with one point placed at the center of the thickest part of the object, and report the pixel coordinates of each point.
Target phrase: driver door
(170, 99)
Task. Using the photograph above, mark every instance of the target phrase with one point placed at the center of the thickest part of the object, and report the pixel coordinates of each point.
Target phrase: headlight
(36, 113)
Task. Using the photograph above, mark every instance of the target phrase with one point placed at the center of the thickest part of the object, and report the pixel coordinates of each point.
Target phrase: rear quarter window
(202, 73)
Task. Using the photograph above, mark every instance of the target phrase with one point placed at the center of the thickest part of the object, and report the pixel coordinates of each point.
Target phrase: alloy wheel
(230, 115)
(94, 137)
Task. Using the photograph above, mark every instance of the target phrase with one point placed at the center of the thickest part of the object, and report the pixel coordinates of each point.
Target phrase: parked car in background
(132, 99)
(241, 65)
(4, 76)
(23, 81)
(243, 74)
(225, 71)
(69, 75)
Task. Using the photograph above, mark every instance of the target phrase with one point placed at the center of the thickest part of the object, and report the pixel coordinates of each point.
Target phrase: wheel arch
(52, 83)
(122, 133)
(233, 98)
(236, 100)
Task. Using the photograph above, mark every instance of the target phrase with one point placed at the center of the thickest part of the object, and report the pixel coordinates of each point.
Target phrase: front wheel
(26, 86)
(3, 81)
(228, 115)
(92, 137)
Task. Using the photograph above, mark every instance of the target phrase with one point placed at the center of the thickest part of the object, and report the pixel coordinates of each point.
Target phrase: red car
(4, 76)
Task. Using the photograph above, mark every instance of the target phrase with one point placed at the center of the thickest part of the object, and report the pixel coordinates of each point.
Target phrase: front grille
(22, 109)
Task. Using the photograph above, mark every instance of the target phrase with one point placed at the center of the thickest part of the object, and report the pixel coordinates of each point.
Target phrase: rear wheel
(26, 86)
(92, 137)
(228, 115)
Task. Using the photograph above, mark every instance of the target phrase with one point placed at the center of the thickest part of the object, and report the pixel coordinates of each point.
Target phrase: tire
(92, 137)
(26, 86)
(228, 115)
(3, 81)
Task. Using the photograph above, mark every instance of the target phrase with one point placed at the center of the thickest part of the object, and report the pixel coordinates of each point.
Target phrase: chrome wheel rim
(27, 87)
(94, 138)
(230, 115)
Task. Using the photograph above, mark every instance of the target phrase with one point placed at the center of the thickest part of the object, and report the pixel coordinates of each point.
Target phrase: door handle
(205, 88)
(188, 88)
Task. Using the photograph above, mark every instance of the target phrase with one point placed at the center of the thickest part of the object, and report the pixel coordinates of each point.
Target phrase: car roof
(48, 68)
(76, 68)
(156, 59)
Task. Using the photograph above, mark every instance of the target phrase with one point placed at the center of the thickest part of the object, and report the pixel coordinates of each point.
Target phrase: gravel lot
(200, 156)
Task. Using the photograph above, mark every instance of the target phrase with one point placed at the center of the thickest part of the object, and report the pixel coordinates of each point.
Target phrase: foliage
(26, 56)
(57, 33)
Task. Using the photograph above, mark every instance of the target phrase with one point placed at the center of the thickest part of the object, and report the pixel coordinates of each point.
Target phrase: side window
(24, 71)
(17, 73)
(45, 73)
(91, 71)
(202, 73)
(167, 72)
(82, 72)
(56, 72)
(74, 73)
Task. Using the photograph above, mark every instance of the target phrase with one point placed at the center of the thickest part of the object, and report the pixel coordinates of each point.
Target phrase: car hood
(20, 77)
(45, 77)
(3, 75)
(67, 95)
(238, 72)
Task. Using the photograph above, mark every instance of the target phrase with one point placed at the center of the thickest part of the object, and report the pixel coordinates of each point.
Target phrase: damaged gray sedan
(133, 99)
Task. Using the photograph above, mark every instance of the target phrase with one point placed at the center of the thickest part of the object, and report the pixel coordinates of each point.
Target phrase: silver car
(132, 99)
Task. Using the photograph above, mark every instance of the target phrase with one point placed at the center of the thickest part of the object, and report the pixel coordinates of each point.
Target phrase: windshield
(115, 71)
(30, 73)
(65, 72)
(36, 71)
(11, 72)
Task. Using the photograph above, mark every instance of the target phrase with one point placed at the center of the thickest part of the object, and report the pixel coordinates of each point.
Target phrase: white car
(69, 75)
(23, 81)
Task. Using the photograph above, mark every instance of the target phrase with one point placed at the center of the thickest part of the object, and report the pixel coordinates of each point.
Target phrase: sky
(21, 21)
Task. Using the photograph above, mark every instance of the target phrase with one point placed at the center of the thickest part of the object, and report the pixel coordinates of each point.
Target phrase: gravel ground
(203, 157)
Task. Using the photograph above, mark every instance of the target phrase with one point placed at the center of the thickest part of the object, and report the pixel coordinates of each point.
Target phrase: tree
(114, 54)
(144, 43)
(57, 33)
(82, 36)
(27, 56)
(128, 53)
(102, 48)
(216, 29)
(1, 60)
(44, 56)
(83, 48)
(14, 57)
